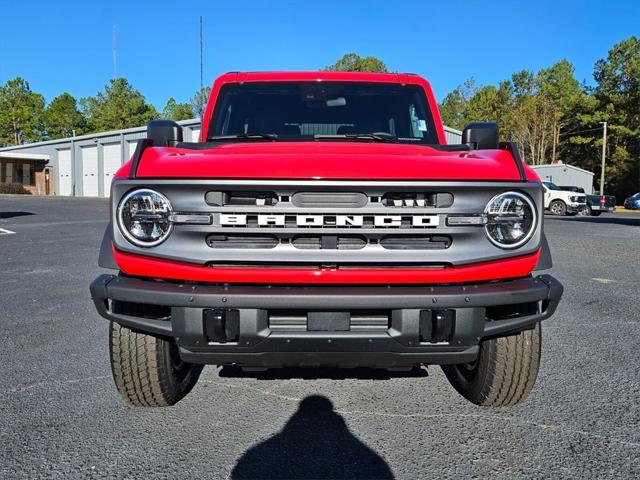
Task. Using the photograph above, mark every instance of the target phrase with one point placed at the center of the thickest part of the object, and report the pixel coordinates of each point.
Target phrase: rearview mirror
(481, 135)
(164, 133)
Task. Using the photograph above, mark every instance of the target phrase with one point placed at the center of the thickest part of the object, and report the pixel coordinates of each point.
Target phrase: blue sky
(66, 46)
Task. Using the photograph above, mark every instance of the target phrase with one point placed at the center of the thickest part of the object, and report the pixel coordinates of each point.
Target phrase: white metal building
(85, 165)
(563, 174)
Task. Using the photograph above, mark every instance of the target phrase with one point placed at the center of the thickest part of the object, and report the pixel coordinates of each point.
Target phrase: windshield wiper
(272, 137)
(376, 137)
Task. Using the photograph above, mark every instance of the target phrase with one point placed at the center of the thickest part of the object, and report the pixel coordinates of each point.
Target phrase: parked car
(633, 202)
(596, 204)
(560, 202)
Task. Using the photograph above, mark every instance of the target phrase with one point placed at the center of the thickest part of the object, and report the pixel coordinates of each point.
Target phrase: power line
(573, 132)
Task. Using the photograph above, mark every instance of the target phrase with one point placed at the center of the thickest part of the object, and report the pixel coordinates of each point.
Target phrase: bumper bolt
(190, 299)
(224, 299)
(434, 300)
(467, 299)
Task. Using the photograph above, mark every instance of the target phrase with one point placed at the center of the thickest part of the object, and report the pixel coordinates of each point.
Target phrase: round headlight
(143, 217)
(511, 219)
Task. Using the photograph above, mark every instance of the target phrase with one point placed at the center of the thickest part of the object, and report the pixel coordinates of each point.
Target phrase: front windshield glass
(551, 186)
(302, 111)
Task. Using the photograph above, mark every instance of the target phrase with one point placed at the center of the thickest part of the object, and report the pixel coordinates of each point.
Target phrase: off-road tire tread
(505, 373)
(142, 369)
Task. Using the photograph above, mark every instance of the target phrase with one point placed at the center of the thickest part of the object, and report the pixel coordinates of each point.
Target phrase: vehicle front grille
(326, 224)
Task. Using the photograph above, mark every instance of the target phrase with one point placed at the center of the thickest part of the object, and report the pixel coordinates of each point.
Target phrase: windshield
(305, 111)
(551, 186)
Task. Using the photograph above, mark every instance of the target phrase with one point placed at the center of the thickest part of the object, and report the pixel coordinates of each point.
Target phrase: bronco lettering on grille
(301, 220)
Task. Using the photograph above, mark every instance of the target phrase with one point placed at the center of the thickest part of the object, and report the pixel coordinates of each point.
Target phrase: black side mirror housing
(481, 135)
(164, 133)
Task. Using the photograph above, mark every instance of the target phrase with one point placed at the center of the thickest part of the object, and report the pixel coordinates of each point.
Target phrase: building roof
(190, 122)
(561, 165)
(24, 156)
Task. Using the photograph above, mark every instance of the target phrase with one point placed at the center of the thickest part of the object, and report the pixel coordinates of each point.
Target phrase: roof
(25, 156)
(323, 76)
(319, 76)
(561, 165)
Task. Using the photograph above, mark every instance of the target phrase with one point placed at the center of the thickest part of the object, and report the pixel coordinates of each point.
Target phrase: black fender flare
(545, 261)
(105, 258)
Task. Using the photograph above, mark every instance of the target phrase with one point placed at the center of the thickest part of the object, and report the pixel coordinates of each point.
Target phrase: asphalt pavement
(60, 414)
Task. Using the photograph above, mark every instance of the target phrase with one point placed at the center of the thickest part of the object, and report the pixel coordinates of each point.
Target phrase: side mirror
(164, 133)
(482, 135)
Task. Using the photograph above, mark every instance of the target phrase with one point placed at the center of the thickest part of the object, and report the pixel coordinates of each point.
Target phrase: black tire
(595, 213)
(504, 372)
(558, 207)
(147, 370)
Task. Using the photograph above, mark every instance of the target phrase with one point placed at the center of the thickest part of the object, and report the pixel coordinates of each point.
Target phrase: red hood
(329, 160)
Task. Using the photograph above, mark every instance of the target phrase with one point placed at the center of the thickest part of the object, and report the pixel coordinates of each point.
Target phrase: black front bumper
(481, 311)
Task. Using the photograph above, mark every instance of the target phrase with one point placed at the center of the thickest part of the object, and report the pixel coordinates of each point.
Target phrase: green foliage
(62, 117)
(13, 189)
(552, 117)
(559, 84)
(118, 106)
(21, 112)
(618, 96)
(455, 104)
(199, 101)
(352, 62)
(177, 111)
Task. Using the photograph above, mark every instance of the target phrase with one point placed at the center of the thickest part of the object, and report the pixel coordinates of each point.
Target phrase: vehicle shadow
(608, 219)
(314, 444)
(14, 214)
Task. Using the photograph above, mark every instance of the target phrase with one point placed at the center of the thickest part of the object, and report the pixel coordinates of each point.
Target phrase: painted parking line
(4, 231)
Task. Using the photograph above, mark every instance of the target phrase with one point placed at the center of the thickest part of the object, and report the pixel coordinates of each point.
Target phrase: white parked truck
(562, 202)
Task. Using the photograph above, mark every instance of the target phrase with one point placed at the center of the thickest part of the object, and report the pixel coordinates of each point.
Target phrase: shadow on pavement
(610, 219)
(14, 214)
(314, 444)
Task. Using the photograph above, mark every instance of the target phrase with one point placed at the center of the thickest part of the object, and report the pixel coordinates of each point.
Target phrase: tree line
(552, 117)
(25, 117)
(549, 114)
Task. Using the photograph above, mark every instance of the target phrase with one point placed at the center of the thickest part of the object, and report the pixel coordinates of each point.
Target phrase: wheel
(588, 211)
(594, 213)
(504, 372)
(558, 207)
(148, 371)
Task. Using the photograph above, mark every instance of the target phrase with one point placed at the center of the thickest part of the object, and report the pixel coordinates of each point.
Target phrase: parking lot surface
(60, 414)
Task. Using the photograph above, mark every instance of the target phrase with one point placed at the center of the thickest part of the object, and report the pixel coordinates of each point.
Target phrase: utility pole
(114, 47)
(201, 57)
(604, 155)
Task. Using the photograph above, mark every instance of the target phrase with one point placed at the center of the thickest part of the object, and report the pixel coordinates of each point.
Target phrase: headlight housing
(144, 217)
(511, 219)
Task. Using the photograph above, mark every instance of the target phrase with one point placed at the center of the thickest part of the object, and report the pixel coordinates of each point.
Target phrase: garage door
(131, 148)
(111, 159)
(90, 171)
(64, 172)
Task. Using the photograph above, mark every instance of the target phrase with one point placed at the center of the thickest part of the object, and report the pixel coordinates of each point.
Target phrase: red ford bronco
(323, 220)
